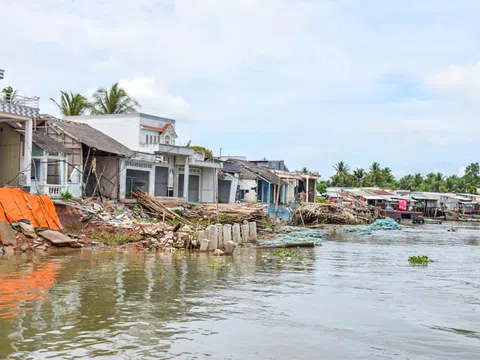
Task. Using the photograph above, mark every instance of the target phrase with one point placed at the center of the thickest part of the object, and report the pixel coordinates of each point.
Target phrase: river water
(353, 298)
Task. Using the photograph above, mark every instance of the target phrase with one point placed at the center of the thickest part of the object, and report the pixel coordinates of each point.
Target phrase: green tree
(406, 183)
(322, 187)
(342, 175)
(9, 95)
(72, 104)
(375, 174)
(114, 100)
(358, 176)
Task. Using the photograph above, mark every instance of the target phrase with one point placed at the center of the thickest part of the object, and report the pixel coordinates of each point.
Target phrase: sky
(311, 82)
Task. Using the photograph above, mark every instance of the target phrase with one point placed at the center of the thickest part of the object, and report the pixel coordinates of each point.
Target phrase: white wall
(123, 128)
(208, 186)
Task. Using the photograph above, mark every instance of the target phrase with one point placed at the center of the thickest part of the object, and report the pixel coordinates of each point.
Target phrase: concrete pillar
(236, 234)
(227, 233)
(220, 243)
(205, 245)
(306, 187)
(245, 233)
(268, 194)
(212, 234)
(229, 247)
(186, 175)
(253, 231)
(43, 174)
(24, 179)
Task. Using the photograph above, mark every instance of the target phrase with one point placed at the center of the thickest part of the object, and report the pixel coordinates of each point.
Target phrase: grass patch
(419, 260)
(115, 239)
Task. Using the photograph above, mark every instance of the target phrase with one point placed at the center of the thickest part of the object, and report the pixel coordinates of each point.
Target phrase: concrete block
(220, 242)
(227, 233)
(229, 247)
(253, 231)
(236, 234)
(213, 237)
(245, 233)
(205, 245)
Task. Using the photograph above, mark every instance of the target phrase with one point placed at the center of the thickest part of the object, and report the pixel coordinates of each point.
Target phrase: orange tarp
(15, 204)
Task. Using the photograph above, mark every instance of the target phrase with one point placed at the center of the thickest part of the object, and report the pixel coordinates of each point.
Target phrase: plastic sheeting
(289, 234)
(377, 225)
(15, 205)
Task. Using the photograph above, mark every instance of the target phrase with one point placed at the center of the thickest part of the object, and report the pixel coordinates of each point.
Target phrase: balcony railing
(24, 101)
(53, 191)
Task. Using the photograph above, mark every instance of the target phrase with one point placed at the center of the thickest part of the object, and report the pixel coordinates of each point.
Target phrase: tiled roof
(157, 128)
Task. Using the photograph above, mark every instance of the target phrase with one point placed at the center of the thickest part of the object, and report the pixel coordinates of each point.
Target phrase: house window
(147, 138)
(167, 139)
(35, 171)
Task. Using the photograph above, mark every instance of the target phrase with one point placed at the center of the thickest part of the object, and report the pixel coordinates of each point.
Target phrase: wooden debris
(315, 214)
(154, 207)
(286, 245)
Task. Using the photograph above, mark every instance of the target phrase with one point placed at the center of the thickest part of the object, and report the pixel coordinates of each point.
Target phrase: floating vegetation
(217, 265)
(285, 254)
(419, 260)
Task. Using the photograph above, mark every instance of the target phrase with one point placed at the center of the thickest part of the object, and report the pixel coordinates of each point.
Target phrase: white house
(16, 146)
(159, 165)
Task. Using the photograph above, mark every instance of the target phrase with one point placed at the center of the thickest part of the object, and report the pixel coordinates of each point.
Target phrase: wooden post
(276, 202)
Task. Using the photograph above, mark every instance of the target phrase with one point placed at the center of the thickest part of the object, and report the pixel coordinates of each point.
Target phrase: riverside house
(157, 163)
(16, 129)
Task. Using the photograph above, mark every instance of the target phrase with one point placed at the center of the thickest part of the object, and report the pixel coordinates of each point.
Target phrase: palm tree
(358, 175)
(342, 175)
(9, 95)
(72, 104)
(113, 101)
(375, 173)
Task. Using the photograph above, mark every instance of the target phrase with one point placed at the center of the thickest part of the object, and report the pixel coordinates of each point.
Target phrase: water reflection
(355, 298)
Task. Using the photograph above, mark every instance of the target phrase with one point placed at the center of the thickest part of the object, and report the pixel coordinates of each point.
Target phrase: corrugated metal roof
(48, 144)
(248, 168)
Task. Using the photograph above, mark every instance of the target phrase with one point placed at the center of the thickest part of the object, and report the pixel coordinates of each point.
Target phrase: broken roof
(248, 169)
(89, 136)
(161, 130)
(49, 144)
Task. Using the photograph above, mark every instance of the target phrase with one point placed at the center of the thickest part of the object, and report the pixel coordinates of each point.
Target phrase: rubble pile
(138, 235)
(312, 214)
(22, 237)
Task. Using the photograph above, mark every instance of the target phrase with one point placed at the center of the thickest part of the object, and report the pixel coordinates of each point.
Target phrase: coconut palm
(72, 104)
(114, 100)
(358, 175)
(375, 173)
(342, 176)
(9, 95)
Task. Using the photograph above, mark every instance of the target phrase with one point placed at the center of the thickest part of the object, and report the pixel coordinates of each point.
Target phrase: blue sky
(310, 82)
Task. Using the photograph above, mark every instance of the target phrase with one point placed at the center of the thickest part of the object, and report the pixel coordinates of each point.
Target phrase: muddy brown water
(354, 298)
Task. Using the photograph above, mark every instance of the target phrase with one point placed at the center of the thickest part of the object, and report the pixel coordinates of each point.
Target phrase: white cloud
(262, 75)
(154, 98)
(464, 79)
